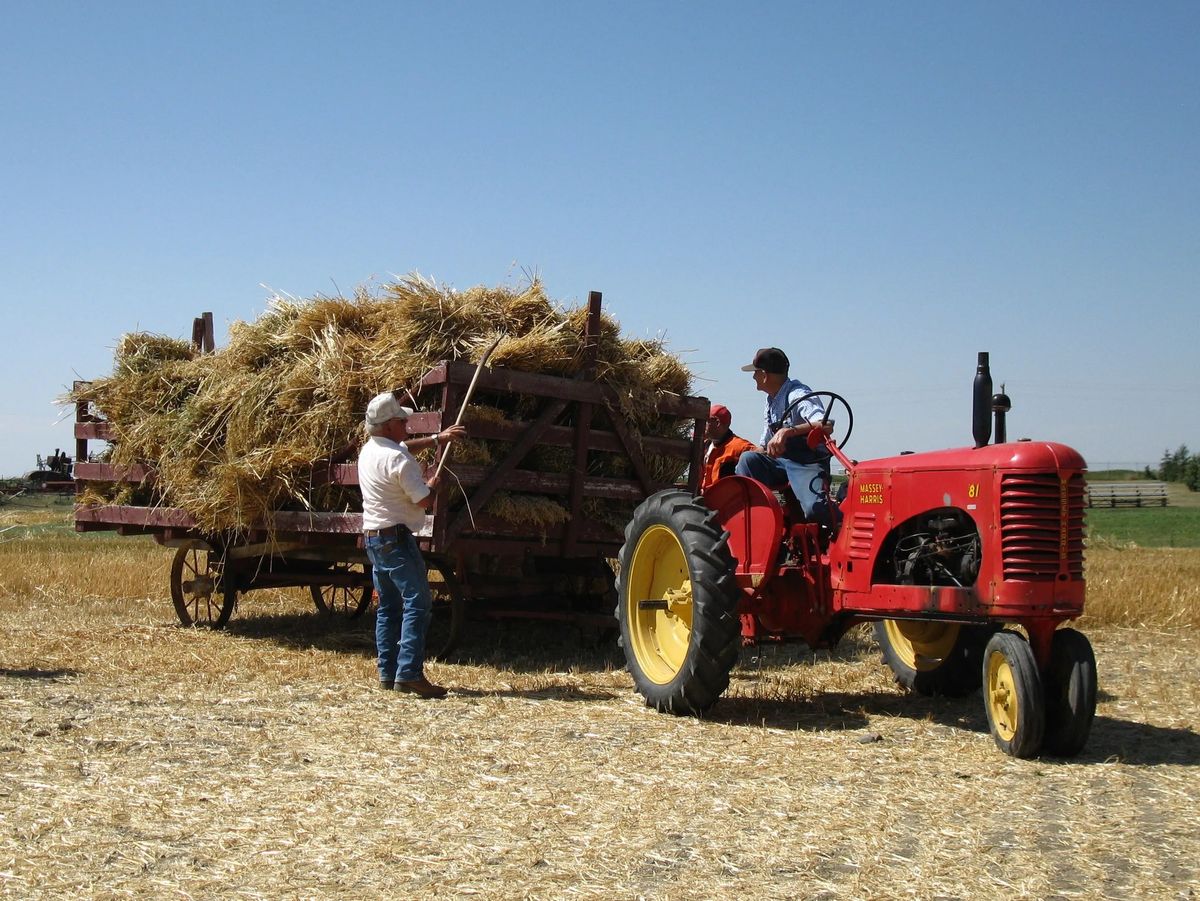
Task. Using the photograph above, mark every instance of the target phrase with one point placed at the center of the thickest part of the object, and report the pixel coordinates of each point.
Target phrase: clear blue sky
(882, 189)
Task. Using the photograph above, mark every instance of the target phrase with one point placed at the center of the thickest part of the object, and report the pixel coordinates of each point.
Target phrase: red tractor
(945, 552)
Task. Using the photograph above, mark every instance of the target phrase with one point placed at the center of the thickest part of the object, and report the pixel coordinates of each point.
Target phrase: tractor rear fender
(754, 519)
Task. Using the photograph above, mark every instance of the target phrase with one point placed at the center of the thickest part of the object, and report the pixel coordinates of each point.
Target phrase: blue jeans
(405, 605)
(807, 479)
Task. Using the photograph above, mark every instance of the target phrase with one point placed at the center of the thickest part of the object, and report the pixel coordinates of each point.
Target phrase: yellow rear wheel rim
(921, 646)
(1001, 688)
(659, 604)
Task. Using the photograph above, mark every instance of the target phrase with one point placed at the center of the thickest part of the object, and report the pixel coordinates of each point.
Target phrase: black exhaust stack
(981, 418)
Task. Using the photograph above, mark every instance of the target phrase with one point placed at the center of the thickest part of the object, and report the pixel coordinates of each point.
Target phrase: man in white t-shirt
(396, 496)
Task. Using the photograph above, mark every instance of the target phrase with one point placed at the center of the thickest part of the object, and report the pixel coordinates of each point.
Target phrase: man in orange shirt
(721, 446)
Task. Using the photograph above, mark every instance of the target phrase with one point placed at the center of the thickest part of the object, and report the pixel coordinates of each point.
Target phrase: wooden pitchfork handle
(466, 400)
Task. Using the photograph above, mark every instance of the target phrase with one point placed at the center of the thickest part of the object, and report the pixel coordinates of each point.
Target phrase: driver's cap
(769, 359)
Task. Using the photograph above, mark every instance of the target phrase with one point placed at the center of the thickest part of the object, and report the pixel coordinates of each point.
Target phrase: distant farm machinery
(53, 473)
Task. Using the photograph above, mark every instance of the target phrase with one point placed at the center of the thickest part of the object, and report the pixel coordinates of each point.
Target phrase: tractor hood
(1015, 455)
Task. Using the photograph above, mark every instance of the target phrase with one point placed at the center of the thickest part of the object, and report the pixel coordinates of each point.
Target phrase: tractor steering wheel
(829, 407)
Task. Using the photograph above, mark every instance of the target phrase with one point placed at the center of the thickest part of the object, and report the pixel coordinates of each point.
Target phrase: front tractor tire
(1070, 693)
(1013, 695)
(933, 658)
(676, 600)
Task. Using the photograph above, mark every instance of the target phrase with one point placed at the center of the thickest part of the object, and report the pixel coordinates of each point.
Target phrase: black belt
(399, 530)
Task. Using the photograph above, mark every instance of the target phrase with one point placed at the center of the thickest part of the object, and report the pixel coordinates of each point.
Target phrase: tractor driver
(786, 457)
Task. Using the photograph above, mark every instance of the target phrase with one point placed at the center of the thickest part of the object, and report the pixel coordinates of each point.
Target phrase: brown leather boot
(422, 688)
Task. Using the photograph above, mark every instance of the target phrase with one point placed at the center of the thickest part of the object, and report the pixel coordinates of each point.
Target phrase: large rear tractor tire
(1070, 693)
(934, 658)
(1013, 696)
(676, 595)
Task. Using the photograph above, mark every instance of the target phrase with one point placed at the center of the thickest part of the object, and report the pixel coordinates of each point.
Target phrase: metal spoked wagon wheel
(675, 602)
(1070, 693)
(198, 588)
(350, 600)
(934, 658)
(449, 608)
(1012, 695)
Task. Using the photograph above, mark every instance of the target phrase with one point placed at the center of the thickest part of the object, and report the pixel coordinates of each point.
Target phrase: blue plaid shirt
(811, 410)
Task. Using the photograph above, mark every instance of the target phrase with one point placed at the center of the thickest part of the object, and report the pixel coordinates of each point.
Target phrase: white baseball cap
(385, 407)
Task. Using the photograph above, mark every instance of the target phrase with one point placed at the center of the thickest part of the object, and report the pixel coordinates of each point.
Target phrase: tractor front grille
(1041, 526)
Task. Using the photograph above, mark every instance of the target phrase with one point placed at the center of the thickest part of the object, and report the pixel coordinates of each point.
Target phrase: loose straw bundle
(236, 434)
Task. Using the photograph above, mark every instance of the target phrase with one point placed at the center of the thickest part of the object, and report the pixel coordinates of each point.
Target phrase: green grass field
(1145, 526)
(1177, 525)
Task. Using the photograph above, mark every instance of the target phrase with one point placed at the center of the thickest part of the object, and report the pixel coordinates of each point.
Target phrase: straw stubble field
(140, 759)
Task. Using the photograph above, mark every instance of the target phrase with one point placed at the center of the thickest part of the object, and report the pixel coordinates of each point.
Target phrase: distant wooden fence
(1127, 494)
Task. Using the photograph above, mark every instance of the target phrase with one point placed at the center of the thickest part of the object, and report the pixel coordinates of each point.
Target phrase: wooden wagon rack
(464, 546)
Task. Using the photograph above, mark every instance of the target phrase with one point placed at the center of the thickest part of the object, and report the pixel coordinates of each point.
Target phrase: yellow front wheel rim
(659, 604)
(1001, 688)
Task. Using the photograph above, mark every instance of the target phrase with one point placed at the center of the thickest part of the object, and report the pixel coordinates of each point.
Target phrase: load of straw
(236, 434)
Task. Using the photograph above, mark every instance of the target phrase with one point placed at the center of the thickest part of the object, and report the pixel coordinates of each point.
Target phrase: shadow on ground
(510, 646)
(1111, 740)
(309, 631)
(532, 647)
(1140, 744)
(48, 674)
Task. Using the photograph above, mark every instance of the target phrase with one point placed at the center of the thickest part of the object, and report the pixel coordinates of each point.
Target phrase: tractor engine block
(939, 547)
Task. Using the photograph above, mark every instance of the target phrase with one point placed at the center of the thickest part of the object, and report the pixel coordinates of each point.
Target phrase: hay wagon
(481, 565)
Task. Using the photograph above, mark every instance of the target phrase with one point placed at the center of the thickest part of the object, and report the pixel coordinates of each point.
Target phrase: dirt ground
(142, 760)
